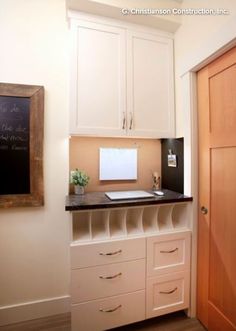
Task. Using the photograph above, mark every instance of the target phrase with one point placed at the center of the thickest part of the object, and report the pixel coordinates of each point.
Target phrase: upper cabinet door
(98, 82)
(150, 86)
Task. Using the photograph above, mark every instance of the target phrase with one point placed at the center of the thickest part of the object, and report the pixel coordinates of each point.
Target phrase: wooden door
(150, 89)
(216, 300)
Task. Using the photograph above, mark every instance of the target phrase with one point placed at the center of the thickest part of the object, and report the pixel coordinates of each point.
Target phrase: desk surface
(99, 200)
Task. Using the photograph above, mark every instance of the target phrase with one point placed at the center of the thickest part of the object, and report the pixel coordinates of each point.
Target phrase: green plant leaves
(79, 177)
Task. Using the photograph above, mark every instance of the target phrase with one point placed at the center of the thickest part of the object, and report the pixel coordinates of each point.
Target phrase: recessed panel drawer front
(168, 253)
(108, 313)
(167, 293)
(107, 252)
(108, 280)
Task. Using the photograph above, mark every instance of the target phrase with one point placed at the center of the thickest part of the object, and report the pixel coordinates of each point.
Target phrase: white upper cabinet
(121, 81)
(150, 98)
(97, 79)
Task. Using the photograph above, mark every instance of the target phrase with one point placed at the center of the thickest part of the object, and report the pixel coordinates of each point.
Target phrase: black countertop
(98, 200)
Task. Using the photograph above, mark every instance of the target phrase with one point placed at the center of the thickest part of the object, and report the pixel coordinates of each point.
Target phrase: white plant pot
(79, 189)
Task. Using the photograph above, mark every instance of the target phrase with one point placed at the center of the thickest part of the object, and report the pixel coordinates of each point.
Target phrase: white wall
(34, 241)
(195, 34)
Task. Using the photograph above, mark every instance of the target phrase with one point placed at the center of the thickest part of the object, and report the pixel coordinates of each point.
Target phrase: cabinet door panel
(168, 253)
(150, 85)
(166, 294)
(98, 79)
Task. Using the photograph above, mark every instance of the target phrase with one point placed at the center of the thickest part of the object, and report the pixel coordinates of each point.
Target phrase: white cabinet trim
(77, 15)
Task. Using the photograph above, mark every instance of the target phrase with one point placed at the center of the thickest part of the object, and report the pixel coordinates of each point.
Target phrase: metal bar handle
(124, 120)
(111, 253)
(131, 121)
(111, 277)
(109, 310)
(171, 251)
(169, 292)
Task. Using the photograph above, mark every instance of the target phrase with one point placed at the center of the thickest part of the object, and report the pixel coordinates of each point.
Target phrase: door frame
(216, 45)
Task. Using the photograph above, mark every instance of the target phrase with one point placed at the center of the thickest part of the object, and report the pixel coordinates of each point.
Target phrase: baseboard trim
(34, 309)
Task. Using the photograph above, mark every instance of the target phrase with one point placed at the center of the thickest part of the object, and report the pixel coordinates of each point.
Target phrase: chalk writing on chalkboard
(14, 145)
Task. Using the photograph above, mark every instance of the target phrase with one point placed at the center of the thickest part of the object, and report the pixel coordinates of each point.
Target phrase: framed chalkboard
(21, 145)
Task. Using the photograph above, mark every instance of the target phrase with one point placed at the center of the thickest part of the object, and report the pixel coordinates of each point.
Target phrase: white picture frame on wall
(118, 163)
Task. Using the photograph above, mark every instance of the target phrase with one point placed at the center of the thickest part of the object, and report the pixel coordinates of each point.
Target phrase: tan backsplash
(84, 154)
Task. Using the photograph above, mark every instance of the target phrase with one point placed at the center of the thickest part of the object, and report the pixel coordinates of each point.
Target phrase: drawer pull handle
(111, 253)
(124, 120)
(168, 292)
(111, 277)
(172, 251)
(109, 310)
(131, 121)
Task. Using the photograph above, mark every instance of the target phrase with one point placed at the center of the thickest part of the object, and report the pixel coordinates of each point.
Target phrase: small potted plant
(80, 179)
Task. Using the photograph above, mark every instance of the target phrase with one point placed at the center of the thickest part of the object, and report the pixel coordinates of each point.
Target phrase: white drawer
(167, 293)
(168, 253)
(107, 252)
(108, 313)
(118, 278)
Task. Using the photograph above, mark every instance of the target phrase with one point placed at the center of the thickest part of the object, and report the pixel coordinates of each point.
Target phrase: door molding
(215, 46)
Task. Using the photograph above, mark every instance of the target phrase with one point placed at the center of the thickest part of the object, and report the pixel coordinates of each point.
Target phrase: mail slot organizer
(92, 225)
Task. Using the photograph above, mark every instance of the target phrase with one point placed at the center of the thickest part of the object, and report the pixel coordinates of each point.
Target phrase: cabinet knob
(204, 210)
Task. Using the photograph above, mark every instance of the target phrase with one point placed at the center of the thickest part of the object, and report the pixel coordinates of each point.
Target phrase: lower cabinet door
(103, 314)
(166, 294)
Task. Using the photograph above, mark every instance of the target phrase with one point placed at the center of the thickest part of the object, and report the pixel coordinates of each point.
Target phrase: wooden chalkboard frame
(36, 123)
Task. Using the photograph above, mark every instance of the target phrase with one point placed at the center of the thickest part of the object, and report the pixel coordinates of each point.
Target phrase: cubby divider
(180, 216)
(82, 226)
(150, 215)
(100, 224)
(117, 222)
(105, 224)
(134, 224)
(164, 217)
